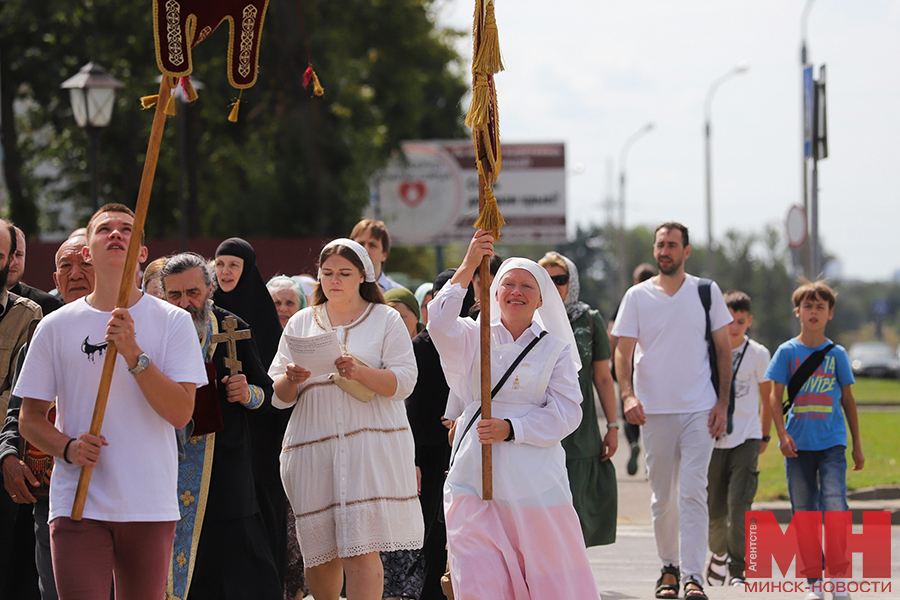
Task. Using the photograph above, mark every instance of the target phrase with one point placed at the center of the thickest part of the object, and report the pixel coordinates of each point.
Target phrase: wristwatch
(143, 362)
(766, 438)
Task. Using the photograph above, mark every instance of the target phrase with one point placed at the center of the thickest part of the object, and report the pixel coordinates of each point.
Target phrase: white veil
(551, 315)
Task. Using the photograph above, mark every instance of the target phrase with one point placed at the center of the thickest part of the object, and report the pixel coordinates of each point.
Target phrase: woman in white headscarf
(592, 476)
(526, 543)
(348, 465)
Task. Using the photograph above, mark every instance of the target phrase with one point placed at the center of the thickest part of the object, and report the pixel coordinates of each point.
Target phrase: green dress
(593, 482)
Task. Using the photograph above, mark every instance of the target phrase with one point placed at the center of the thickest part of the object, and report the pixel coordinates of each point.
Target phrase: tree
(292, 166)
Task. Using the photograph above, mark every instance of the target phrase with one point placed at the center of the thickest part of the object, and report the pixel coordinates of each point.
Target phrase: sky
(591, 74)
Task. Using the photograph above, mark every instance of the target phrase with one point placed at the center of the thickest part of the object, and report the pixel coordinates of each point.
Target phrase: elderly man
(17, 314)
(47, 302)
(219, 512)
(74, 278)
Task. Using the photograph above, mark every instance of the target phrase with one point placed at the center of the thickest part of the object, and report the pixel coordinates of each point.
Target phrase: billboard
(429, 193)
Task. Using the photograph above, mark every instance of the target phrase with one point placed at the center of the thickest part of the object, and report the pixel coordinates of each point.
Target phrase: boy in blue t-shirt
(814, 439)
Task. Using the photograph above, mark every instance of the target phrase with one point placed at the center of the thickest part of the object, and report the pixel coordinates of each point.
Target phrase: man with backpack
(674, 324)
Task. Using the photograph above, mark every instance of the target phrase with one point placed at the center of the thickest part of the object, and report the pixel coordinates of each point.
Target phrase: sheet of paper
(316, 354)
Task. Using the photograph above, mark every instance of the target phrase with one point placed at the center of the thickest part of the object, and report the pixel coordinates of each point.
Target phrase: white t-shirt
(671, 359)
(135, 478)
(750, 374)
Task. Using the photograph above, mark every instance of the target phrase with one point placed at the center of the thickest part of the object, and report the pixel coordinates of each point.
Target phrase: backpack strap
(802, 375)
(704, 288)
(497, 387)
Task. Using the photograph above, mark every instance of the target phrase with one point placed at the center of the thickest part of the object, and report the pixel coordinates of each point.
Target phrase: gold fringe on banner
(477, 117)
(189, 91)
(170, 106)
(490, 217)
(233, 115)
(149, 101)
(318, 90)
(488, 60)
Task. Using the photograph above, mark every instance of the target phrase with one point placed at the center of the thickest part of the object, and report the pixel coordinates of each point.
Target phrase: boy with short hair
(814, 439)
(733, 473)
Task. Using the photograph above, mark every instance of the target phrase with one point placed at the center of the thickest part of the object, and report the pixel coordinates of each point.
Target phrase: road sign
(795, 225)
(429, 195)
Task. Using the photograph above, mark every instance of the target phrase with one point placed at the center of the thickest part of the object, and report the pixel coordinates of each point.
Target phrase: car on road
(874, 359)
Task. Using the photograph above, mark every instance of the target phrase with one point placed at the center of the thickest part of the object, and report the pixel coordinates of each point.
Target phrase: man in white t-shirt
(662, 322)
(129, 517)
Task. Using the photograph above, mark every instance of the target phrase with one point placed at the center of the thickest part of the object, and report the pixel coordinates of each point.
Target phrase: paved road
(629, 568)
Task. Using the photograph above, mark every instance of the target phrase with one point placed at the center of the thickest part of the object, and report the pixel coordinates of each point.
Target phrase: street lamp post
(623, 155)
(92, 93)
(707, 113)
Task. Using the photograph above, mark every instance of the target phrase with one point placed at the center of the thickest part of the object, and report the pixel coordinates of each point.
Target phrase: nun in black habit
(241, 289)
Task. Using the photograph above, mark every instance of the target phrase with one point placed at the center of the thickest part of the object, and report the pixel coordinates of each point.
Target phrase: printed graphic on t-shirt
(814, 400)
(91, 349)
(741, 386)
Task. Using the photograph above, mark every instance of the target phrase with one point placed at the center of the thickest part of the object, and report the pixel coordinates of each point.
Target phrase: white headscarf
(551, 315)
(360, 252)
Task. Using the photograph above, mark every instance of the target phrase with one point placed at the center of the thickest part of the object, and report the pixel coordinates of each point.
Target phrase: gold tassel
(318, 90)
(233, 116)
(170, 105)
(477, 117)
(189, 91)
(490, 217)
(488, 59)
(149, 101)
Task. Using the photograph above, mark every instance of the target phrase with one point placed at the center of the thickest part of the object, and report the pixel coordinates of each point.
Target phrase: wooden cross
(230, 337)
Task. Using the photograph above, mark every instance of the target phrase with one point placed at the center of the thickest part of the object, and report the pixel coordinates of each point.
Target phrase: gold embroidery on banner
(328, 438)
(203, 33)
(173, 31)
(187, 497)
(247, 27)
(355, 502)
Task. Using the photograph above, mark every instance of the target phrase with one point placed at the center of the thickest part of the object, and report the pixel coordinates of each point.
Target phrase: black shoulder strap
(704, 287)
(500, 383)
(802, 375)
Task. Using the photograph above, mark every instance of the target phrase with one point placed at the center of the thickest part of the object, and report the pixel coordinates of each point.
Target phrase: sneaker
(815, 596)
(717, 569)
(632, 462)
(737, 582)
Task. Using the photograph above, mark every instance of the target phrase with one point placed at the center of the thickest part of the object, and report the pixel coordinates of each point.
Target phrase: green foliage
(880, 445)
(293, 165)
(874, 390)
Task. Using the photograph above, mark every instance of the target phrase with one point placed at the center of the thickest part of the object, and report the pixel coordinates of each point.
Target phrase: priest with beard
(221, 548)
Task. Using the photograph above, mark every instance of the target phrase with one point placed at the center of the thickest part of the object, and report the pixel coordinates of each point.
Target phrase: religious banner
(178, 26)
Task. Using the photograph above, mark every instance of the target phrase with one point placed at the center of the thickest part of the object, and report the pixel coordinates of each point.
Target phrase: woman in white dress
(348, 465)
(526, 543)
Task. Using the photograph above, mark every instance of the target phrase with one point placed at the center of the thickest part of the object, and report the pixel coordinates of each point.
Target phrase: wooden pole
(127, 284)
(484, 297)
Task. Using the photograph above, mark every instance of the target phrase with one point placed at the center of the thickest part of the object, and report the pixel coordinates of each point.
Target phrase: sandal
(668, 591)
(717, 569)
(695, 592)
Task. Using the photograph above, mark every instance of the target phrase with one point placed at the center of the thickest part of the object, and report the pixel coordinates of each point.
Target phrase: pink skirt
(500, 551)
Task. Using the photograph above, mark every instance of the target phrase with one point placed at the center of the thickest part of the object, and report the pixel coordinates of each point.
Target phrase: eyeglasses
(560, 279)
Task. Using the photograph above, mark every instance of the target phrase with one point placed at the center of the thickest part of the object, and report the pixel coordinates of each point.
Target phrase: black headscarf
(443, 278)
(250, 300)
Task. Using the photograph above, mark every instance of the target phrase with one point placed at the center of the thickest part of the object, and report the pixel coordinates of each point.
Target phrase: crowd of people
(235, 462)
